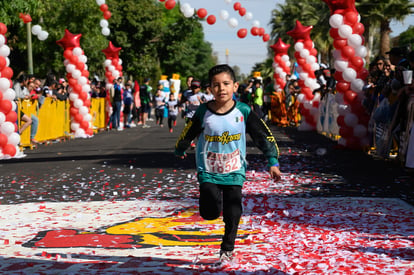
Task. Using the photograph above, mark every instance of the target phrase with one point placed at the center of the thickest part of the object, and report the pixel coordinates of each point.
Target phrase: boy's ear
(236, 86)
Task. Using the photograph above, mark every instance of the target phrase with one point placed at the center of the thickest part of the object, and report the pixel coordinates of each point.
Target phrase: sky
(250, 50)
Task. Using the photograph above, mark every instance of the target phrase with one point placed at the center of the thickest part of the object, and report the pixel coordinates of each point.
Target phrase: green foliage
(154, 40)
(407, 38)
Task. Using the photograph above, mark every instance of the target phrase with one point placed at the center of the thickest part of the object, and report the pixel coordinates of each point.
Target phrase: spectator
(127, 98)
(145, 97)
(116, 99)
(258, 98)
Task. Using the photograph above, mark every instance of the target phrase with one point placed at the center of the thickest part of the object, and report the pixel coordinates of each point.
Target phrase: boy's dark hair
(218, 69)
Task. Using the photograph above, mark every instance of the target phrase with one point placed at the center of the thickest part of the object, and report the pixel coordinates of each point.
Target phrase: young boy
(221, 127)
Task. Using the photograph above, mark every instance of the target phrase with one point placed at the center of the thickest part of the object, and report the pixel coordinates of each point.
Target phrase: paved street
(120, 202)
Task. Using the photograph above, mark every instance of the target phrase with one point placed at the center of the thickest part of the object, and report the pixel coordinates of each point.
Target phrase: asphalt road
(123, 165)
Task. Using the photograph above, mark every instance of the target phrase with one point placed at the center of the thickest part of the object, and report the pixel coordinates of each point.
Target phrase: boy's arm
(263, 138)
(190, 132)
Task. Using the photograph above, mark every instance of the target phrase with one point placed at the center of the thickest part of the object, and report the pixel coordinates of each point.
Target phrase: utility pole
(29, 48)
(227, 56)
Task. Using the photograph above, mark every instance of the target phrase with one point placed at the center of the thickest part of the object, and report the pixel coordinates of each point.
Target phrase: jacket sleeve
(190, 132)
(263, 138)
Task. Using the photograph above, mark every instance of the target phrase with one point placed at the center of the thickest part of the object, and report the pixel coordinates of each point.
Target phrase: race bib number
(223, 163)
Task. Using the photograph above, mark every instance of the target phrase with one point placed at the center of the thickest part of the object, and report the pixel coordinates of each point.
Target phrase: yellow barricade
(54, 118)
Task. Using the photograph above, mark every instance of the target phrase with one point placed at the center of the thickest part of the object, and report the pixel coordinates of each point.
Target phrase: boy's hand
(180, 155)
(275, 173)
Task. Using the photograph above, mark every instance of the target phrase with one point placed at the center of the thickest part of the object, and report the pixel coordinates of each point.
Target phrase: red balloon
(301, 61)
(7, 72)
(313, 52)
(266, 37)
(254, 31)
(315, 104)
(5, 106)
(340, 43)
(338, 76)
(346, 132)
(363, 74)
(85, 73)
(211, 19)
(78, 118)
(350, 18)
(3, 140)
(341, 121)
(333, 32)
(83, 96)
(301, 83)
(84, 125)
(68, 54)
(357, 62)
(87, 103)
(3, 28)
(89, 132)
(242, 11)
(277, 59)
(9, 149)
(103, 7)
(72, 81)
(3, 62)
(107, 15)
(237, 6)
(350, 97)
(347, 52)
(261, 31)
(73, 111)
(242, 33)
(358, 28)
(170, 4)
(11, 116)
(202, 13)
(308, 44)
(342, 86)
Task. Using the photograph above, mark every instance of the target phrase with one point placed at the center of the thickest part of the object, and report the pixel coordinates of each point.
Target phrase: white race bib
(223, 163)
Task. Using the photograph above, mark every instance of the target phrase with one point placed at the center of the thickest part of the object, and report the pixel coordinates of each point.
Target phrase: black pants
(171, 120)
(213, 199)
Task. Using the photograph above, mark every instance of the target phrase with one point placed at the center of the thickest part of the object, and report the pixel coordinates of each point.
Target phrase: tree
(406, 39)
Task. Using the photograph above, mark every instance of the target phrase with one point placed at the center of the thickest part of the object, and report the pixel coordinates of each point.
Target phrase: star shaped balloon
(300, 32)
(339, 6)
(280, 47)
(69, 40)
(111, 51)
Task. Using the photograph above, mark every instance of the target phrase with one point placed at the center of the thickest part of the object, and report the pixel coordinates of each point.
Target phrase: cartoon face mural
(183, 228)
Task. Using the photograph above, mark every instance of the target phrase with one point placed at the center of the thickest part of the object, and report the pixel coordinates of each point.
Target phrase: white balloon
(120, 61)
(14, 138)
(343, 109)
(76, 73)
(233, 22)
(108, 86)
(351, 120)
(2, 118)
(7, 128)
(336, 20)
(82, 80)
(278, 70)
(349, 74)
(361, 51)
(228, 1)
(66, 62)
(73, 96)
(86, 88)
(355, 40)
(304, 53)
(185, 7)
(357, 85)
(315, 66)
(248, 16)
(86, 67)
(299, 46)
(14, 105)
(74, 126)
(80, 132)
(36, 29)
(4, 84)
(87, 117)
(2, 40)
(116, 74)
(106, 31)
(360, 131)
(340, 65)
(285, 57)
(78, 103)
(345, 31)
(301, 98)
(310, 59)
(303, 76)
(336, 54)
(70, 68)
(224, 15)
(256, 23)
(43, 35)
(83, 58)
(4, 50)
(111, 68)
(339, 98)
(107, 62)
(188, 13)
(9, 94)
(287, 63)
(100, 2)
(317, 97)
(7, 61)
(104, 23)
(83, 110)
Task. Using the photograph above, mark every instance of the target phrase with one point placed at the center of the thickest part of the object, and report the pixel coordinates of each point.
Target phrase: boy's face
(223, 87)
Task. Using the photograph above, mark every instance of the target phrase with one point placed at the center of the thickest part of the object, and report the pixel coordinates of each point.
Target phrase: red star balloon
(280, 47)
(69, 41)
(111, 51)
(339, 6)
(300, 32)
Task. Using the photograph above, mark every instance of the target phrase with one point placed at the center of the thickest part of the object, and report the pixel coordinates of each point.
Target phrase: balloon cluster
(169, 4)
(41, 34)
(281, 64)
(9, 139)
(77, 75)
(255, 30)
(106, 14)
(113, 64)
(346, 30)
(305, 55)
